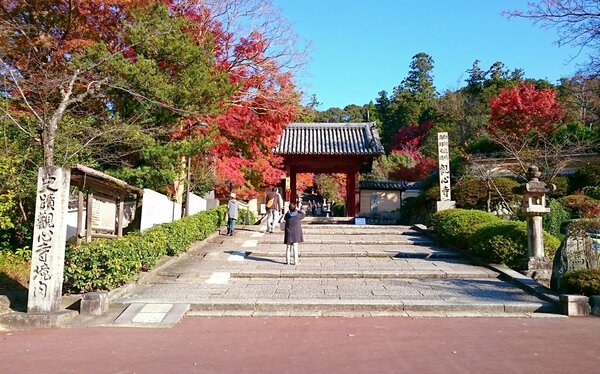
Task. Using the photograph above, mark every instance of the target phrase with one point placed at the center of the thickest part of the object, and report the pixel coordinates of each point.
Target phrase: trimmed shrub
(589, 175)
(581, 206)
(473, 194)
(592, 191)
(109, 263)
(562, 186)
(582, 282)
(505, 242)
(553, 221)
(455, 226)
(419, 209)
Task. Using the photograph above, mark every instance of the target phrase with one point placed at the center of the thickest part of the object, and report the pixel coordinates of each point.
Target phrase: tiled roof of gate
(330, 139)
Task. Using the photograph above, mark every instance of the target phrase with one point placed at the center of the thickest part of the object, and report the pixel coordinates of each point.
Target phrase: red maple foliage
(524, 110)
(407, 161)
(417, 167)
(410, 137)
(304, 181)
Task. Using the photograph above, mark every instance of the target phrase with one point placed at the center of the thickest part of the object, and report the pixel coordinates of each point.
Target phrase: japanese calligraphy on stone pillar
(49, 235)
(444, 166)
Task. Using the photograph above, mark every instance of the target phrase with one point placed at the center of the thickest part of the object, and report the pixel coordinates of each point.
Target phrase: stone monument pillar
(534, 208)
(49, 236)
(445, 201)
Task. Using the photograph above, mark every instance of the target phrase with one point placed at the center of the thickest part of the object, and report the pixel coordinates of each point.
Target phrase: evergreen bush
(474, 193)
(455, 226)
(505, 242)
(582, 282)
(592, 191)
(589, 175)
(562, 184)
(553, 221)
(109, 263)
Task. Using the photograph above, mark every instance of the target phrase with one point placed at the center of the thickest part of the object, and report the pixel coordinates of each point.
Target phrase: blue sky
(362, 47)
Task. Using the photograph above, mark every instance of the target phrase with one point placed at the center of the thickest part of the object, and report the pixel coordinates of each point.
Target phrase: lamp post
(188, 166)
(534, 208)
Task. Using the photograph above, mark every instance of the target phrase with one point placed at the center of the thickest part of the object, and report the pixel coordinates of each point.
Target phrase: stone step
(325, 307)
(338, 221)
(365, 274)
(233, 294)
(366, 230)
(280, 252)
(308, 231)
(381, 240)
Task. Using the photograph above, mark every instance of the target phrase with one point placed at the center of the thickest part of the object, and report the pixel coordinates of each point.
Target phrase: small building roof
(330, 139)
(85, 177)
(390, 185)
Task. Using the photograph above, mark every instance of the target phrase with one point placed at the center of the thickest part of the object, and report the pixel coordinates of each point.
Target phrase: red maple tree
(411, 136)
(263, 103)
(523, 109)
(521, 121)
(406, 162)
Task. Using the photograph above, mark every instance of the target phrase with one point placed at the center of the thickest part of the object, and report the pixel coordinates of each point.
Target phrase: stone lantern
(534, 208)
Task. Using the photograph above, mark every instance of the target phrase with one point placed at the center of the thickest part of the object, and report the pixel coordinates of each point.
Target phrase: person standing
(233, 207)
(274, 205)
(293, 233)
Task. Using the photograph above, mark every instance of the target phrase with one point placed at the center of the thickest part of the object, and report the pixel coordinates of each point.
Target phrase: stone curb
(522, 281)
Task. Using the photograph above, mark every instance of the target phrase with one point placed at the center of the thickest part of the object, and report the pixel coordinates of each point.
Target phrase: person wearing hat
(233, 206)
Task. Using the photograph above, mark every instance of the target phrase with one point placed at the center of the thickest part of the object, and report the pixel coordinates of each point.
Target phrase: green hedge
(505, 242)
(109, 263)
(582, 282)
(455, 226)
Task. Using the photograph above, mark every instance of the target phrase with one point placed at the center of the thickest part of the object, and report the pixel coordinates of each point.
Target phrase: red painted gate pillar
(352, 193)
(293, 192)
(286, 188)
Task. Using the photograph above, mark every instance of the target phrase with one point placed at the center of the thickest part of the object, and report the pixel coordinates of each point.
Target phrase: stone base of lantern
(539, 269)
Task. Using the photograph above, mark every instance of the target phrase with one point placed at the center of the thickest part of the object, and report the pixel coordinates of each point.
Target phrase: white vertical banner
(444, 166)
(49, 236)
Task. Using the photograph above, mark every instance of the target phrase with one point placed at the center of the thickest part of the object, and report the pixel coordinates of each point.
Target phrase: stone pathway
(344, 270)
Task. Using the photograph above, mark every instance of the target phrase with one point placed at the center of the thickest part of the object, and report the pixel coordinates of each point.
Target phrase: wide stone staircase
(344, 270)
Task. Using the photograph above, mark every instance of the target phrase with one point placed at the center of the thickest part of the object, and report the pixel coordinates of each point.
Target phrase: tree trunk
(48, 135)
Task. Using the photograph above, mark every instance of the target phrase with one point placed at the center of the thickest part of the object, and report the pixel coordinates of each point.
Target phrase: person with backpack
(274, 205)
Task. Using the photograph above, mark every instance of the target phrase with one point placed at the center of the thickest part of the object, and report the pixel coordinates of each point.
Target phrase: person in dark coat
(293, 233)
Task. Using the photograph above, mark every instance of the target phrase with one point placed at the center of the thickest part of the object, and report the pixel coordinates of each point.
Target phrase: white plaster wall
(157, 208)
(211, 202)
(128, 216)
(197, 204)
(72, 223)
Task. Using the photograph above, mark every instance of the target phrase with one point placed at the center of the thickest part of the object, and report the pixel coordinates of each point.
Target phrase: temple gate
(327, 148)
